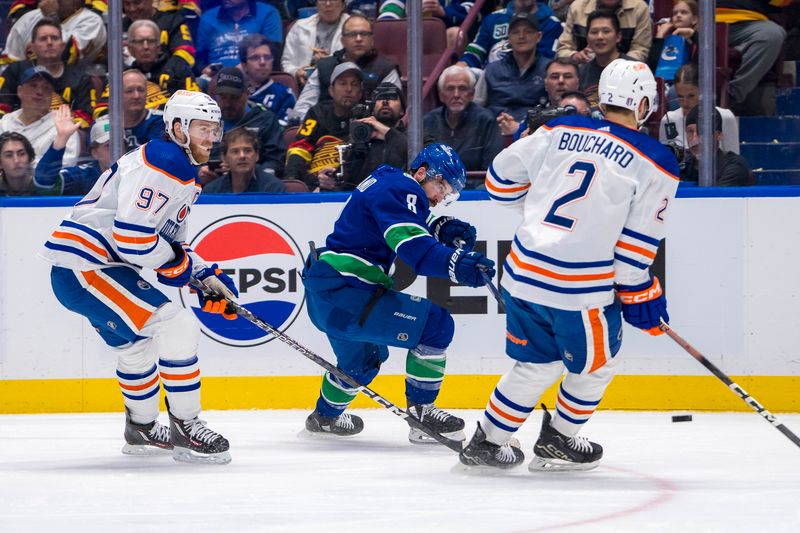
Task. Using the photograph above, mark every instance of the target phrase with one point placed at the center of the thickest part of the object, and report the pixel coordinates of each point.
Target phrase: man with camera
(340, 129)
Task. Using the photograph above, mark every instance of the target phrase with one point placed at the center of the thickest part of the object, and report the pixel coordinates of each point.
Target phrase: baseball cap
(347, 66)
(389, 91)
(230, 80)
(693, 116)
(101, 131)
(31, 72)
(530, 18)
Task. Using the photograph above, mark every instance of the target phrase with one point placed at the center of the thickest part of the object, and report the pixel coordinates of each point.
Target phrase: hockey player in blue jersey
(594, 195)
(134, 218)
(350, 297)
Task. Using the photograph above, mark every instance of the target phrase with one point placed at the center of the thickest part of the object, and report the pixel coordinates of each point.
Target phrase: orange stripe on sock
(573, 410)
(140, 387)
(179, 377)
(71, 237)
(504, 415)
(138, 315)
(556, 275)
(598, 340)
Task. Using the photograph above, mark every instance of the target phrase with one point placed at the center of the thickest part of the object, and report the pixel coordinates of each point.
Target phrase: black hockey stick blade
(235, 307)
(740, 392)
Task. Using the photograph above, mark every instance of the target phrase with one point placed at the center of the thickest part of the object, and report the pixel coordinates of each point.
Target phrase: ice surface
(721, 472)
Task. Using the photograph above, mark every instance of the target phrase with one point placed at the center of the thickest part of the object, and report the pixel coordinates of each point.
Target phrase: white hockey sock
(515, 396)
(138, 380)
(578, 397)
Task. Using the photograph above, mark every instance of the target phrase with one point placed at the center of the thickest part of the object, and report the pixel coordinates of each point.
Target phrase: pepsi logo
(265, 264)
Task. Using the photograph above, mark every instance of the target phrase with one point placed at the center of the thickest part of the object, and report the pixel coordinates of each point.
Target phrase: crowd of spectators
(307, 99)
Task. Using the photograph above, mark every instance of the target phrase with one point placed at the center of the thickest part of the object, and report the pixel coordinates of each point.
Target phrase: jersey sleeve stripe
(521, 278)
(398, 234)
(632, 262)
(72, 250)
(509, 199)
(491, 172)
(96, 235)
(133, 227)
(642, 237)
(555, 275)
(77, 238)
(134, 240)
(636, 249)
(134, 251)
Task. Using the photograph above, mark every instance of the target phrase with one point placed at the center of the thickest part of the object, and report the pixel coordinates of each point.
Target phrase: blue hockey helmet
(442, 160)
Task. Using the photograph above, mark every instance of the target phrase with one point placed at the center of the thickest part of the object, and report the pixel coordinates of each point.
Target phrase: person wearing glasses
(312, 38)
(357, 47)
(256, 62)
(169, 72)
(172, 28)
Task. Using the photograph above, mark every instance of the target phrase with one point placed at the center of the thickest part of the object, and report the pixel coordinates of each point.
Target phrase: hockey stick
(493, 289)
(757, 407)
(243, 312)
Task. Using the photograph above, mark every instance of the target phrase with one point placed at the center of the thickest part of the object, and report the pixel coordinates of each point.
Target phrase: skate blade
(481, 470)
(323, 435)
(546, 464)
(143, 450)
(185, 455)
(416, 436)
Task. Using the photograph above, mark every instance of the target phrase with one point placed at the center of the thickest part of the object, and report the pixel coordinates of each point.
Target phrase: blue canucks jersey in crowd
(385, 216)
(50, 178)
(276, 97)
(151, 128)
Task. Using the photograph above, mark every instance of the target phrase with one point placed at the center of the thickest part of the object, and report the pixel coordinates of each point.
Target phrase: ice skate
(146, 439)
(555, 451)
(440, 421)
(344, 425)
(193, 442)
(482, 453)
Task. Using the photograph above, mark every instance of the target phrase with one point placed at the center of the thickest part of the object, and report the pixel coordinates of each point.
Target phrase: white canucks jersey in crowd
(132, 214)
(595, 197)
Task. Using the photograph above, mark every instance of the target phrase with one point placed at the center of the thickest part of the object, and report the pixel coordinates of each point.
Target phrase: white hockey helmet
(625, 84)
(187, 106)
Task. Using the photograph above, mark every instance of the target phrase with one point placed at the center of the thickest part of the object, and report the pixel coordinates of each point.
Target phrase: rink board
(728, 266)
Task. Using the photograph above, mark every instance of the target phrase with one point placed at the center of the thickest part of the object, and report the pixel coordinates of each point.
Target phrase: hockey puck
(682, 418)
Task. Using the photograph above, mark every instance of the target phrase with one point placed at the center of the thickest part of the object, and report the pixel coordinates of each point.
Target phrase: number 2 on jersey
(552, 218)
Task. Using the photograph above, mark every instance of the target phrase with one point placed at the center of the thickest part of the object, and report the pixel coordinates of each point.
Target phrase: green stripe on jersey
(352, 265)
(397, 234)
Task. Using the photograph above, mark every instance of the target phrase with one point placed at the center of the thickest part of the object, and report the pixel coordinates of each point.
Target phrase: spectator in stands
(515, 83)
(256, 59)
(16, 174)
(731, 168)
(172, 29)
(169, 72)
(231, 95)
(577, 100)
(83, 31)
(222, 28)
(71, 83)
(313, 157)
(603, 36)
(683, 23)
(760, 41)
(358, 47)
(240, 155)
(634, 20)
(310, 39)
(33, 119)
(387, 145)
(470, 129)
(492, 35)
(451, 12)
(561, 75)
(672, 129)
(141, 124)
(51, 178)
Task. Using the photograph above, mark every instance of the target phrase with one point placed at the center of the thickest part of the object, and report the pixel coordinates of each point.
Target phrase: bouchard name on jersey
(595, 196)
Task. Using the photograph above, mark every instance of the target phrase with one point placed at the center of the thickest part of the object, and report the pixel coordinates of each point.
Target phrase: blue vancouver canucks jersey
(386, 216)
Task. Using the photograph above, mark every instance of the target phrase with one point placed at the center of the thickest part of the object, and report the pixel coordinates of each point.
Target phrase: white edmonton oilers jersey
(595, 197)
(132, 214)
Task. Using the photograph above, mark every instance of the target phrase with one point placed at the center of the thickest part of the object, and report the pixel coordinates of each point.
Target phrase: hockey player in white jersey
(594, 195)
(135, 218)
